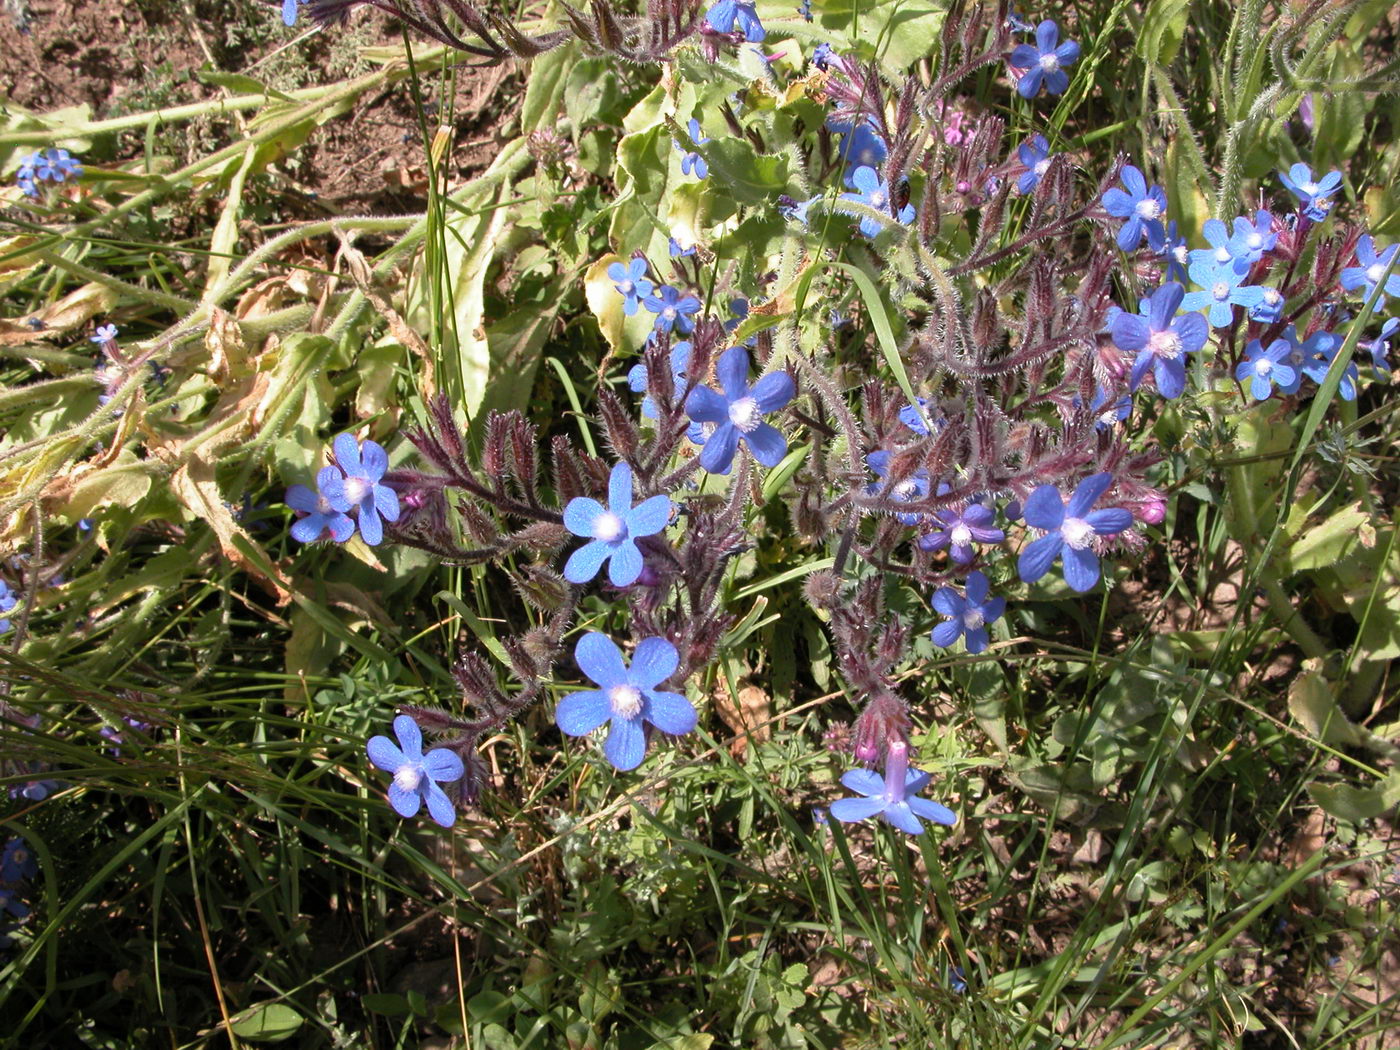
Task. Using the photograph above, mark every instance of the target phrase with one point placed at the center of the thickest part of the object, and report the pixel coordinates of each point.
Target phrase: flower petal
(580, 514)
(299, 497)
(732, 371)
(410, 737)
(1086, 494)
(670, 712)
(705, 406)
(371, 529)
(934, 811)
(767, 444)
(440, 806)
(384, 754)
(626, 564)
(718, 454)
(578, 714)
(374, 461)
(899, 815)
(1045, 508)
(650, 516)
(620, 490)
(626, 745)
(347, 453)
(848, 810)
(599, 658)
(946, 633)
(1038, 556)
(585, 562)
(773, 391)
(1110, 520)
(864, 782)
(405, 802)
(386, 502)
(1081, 569)
(444, 765)
(654, 661)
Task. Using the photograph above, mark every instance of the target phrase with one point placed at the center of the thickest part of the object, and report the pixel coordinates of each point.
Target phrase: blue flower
(693, 163)
(677, 251)
(320, 517)
(875, 194)
(967, 614)
(672, 310)
(48, 165)
(1161, 339)
(1070, 530)
(1264, 368)
(738, 413)
(637, 378)
(630, 281)
(1379, 347)
(1171, 248)
(739, 307)
(893, 796)
(1222, 289)
(289, 11)
(1035, 156)
(106, 333)
(416, 775)
(959, 529)
(913, 417)
(17, 863)
(860, 147)
(359, 490)
(613, 533)
(7, 603)
(1044, 61)
(1252, 240)
(725, 14)
(1317, 353)
(1142, 206)
(957, 980)
(628, 697)
(1109, 415)
(1368, 275)
(1269, 308)
(1313, 194)
(914, 487)
(10, 902)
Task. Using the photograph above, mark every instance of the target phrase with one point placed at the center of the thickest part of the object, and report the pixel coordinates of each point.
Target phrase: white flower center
(609, 527)
(1147, 208)
(1220, 291)
(409, 776)
(1049, 63)
(745, 414)
(1077, 533)
(669, 313)
(1263, 366)
(1181, 254)
(1272, 296)
(356, 489)
(1308, 188)
(626, 287)
(1166, 345)
(1375, 272)
(1108, 417)
(626, 701)
(878, 199)
(1222, 255)
(1041, 166)
(1323, 206)
(960, 535)
(973, 618)
(906, 490)
(1254, 241)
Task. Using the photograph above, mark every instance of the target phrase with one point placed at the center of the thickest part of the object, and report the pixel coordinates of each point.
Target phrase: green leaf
(1357, 804)
(1312, 702)
(241, 83)
(386, 1003)
(549, 73)
(745, 175)
(1162, 27)
(271, 1023)
(1324, 545)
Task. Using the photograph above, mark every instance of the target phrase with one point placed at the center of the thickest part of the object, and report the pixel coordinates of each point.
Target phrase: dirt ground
(132, 56)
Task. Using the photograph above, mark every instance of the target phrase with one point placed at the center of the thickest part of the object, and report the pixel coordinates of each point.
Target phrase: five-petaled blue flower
(1161, 339)
(1035, 155)
(1044, 61)
(637, 378)
(47, 165)
(1222, 290)
(1070, 530)
(1317, 354)
(17, 863)
(1252, 240)
(1313, 194)
(1370, 271)
(1171, 248)
(106, 333)
(416, 775)
(693, 163)
(892, 796)
(959, 529)
(874, 193)
(727, 13)
(860, 147)
(1109, 415)
(628, 697)
(320, 517)
(1379, 347)
(907, 490)
(629, 279)
(359, 490)
(672, 309)
(967, 614)
(738, 413)
(1142, 206)
(1264, 368)
(612, 532)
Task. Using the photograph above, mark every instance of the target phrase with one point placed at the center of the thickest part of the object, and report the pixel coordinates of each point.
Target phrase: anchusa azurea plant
(1044, 329)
